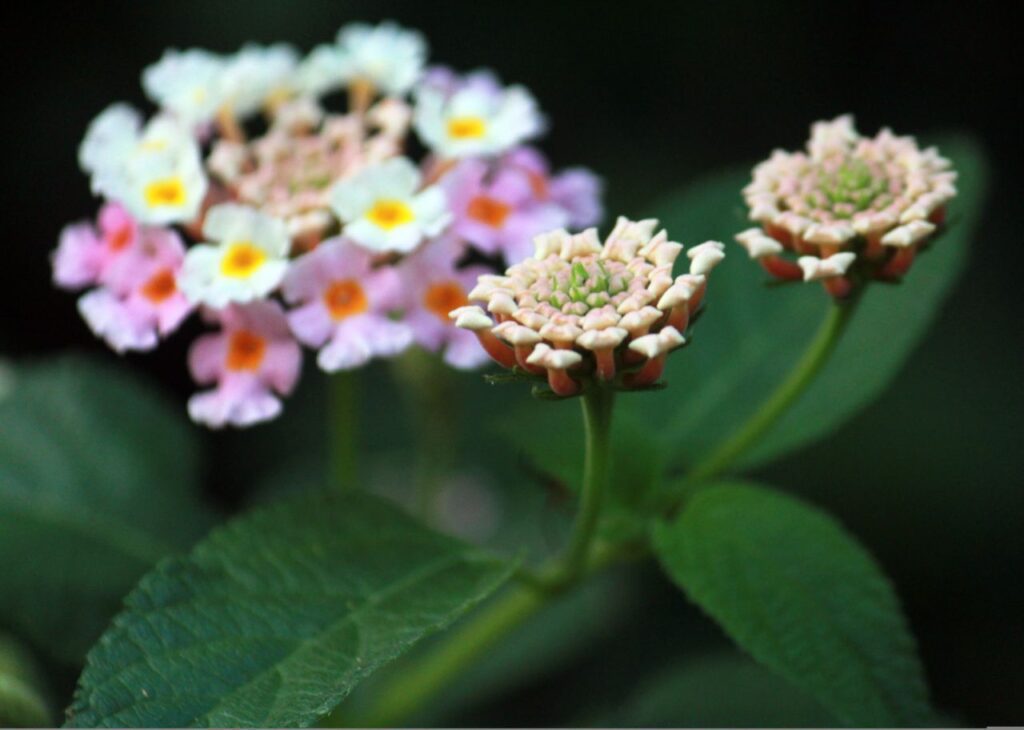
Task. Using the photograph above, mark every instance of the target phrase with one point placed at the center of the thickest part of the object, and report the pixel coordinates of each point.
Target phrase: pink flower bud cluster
(580, 309)
(850, 208)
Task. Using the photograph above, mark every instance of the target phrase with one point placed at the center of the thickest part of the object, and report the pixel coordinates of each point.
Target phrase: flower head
(253, 357)
(474, 115)
(313, 208)
(247, 262)
(343, 306)
(579, 308)
(383, 208)
(849, 206)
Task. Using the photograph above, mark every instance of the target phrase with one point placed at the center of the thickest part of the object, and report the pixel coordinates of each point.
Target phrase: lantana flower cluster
(849, 209)
(580, 309)
(248, 199)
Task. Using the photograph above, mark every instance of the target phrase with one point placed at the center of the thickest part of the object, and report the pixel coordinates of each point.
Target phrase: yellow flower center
(245, 351)
(345, 297)
(390, 214)
(168, 191)
(466, 127)
(443, 297)
(242, 260)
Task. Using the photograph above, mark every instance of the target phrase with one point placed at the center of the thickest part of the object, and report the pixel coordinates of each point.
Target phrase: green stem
(801, 376)
(597, 422)
(343, 447)
(469, 640)
(428, 391)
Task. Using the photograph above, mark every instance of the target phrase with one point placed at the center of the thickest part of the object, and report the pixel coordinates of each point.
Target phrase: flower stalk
(800, 377)
(343, 430)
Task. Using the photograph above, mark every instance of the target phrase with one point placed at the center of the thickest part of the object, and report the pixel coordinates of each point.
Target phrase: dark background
(651, 96)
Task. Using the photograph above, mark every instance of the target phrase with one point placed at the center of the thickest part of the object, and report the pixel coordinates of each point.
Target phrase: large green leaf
(752, 334)
(277, 616)
(715, 690)
(790, 586)
(22, 701)
(98, 481)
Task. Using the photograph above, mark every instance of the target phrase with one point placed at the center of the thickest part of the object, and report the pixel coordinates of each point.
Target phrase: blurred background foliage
(651, 96)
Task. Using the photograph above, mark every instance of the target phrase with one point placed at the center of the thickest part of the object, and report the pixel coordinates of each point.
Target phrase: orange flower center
(344, 298)
(160, 286)
(246, 350)
(443, 297)
(538, 183)
(118, 240)
(489, 211)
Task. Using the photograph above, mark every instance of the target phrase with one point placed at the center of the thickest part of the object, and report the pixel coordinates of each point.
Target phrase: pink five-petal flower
(342, 304)
(88, 254)
(253, 357)
(498, 210)
(576, 190)
(433, 286)
(142, 302)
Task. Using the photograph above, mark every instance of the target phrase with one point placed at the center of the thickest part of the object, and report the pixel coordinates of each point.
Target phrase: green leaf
(98, 481)
(790, 586)
(22, 701)
(752, 334)
(276, 617)
(716, 690)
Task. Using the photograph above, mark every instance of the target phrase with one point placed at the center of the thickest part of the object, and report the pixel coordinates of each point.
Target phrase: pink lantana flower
(87, 255)
(498, 211)
(433, 286)
(343, 304)
(135, 267)
(253, 357)
(576, 190)
(144, 303)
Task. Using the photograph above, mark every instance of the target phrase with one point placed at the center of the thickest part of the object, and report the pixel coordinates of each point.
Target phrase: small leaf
(22, 702)
(98, 481)
(276, 617)
(716, 690)
(790, 586)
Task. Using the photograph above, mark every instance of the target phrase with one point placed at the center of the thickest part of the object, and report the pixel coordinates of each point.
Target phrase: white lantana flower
(476, 120)
(322, 71)
(257, 74)
(189, 84)
(382, 211)
(247, 262)
(387, 57)
(155, 172)
(109, 138)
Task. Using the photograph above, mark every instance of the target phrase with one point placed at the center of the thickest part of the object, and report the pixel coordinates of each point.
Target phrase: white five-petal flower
(156, 172)
(382, 211)
(386, 56)
(476, 119)
(188, 84)
(247, 262)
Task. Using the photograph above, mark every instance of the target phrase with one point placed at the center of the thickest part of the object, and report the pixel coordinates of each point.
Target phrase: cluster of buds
(312, 226)
(579, 309)
(849, 209)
